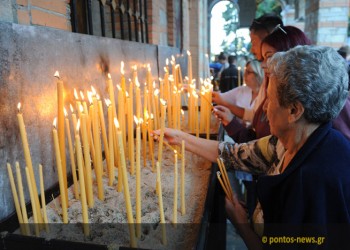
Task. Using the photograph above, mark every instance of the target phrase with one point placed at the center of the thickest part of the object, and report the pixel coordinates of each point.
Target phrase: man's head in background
(259, 29)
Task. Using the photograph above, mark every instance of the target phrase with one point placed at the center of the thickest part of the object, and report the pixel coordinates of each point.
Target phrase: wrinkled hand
(236, 213)
(223, 114)
(172, 136)
(216, 97)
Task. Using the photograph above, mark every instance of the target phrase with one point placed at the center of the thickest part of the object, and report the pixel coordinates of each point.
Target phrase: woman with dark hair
(281, 39)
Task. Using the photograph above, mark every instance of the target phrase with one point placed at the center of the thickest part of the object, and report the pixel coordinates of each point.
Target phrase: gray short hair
(315, 76)
(256, 67)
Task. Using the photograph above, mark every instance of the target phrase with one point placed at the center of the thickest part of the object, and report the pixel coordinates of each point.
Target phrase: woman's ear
(296, 111)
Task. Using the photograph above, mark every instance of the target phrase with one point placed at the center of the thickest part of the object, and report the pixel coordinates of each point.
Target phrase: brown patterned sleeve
(255, 157)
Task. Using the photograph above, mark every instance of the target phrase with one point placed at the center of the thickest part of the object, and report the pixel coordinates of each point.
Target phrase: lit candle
(60, 173)
(60, 130)
(15, 198)
(156, 101)
(126, 187)
(98, 151)
(74, 117)
(175, 189)
(72, 161)
(160, 200)
(196, 112)
(77, 102)
(103, 129)
(21, 198)
(83, 201)
(28, 159)
(110, 164)
(121, 112)
(131, 134)
(87, 161)
(138, 178)
(239, 76)
(88, 125)
(138, 99)
(144, 140)
(173, 68)
(35, 209)
(189, 67)
(121, 103)
(162, 127)
(42, 195)
(151, 143)
(183, 158)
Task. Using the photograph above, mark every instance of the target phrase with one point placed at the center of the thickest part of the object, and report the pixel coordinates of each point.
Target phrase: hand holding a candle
(223, 114)
(205, 148)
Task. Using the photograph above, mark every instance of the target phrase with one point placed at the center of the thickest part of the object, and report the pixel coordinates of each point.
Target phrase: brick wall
(54, 14)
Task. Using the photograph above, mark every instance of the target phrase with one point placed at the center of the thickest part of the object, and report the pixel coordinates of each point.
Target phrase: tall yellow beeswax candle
(83, 201)
(60, 173)
(28, 159)
(60, 130)
(130, 217)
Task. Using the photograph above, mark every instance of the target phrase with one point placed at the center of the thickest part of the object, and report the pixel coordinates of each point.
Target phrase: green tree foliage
(268, 6)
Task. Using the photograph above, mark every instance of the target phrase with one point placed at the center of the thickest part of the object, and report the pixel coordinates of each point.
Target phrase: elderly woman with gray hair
(308, 178)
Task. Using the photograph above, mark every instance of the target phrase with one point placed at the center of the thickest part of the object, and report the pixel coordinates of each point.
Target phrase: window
(121, 19)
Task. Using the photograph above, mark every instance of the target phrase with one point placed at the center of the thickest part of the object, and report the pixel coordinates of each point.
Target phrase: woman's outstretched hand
(172, 136)
(223, 114)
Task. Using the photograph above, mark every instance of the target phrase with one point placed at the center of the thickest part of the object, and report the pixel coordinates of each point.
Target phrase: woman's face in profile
(267, 52)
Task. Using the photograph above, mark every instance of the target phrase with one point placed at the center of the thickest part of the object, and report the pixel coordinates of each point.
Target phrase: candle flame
(206, 55)
(177, 66)
(182, 112)
(116, 123)
(156, 92)
(152, 116)
(65, 112)
(137, 82)
(109, 76)
(82, 95)
(154, 84)
(163, 102)
(81, 108)
(89, 94)
(188, 53)
(71, 108)
(136, 120)
(127, 94)
(57, 74)
(122, 68)
(78, 125)
(166, 70)
(93, 90)
(146, 115)
(19, 107)
(173, 58)
(97, 97)
(118, 87)
(134, 67)
(140, 120)
(175, 152)
(239, 67)
(76, 94)
(167, 62)
(54, 122)
(108, 102)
